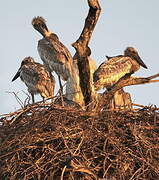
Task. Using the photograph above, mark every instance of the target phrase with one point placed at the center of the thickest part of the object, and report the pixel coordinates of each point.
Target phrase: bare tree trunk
(83, 51)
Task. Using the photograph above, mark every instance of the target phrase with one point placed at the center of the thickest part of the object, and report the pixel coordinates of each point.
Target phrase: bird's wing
(37, 77)
(54, 58)
(109, 72)
(43, 74)
(45, 52)
(46, 81)
(61, 52)
(53, 51)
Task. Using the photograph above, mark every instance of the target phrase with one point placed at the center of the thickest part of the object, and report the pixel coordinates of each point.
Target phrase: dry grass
(45, 142)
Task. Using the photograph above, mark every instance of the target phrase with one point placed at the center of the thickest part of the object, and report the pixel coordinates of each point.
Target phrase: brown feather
(54, 54)
(109, 72)
(54, 60)
(37, 78)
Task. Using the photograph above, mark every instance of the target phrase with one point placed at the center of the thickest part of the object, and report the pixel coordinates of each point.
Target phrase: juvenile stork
(36, 78)
(73, 89)
(54, 54)
(109, 72)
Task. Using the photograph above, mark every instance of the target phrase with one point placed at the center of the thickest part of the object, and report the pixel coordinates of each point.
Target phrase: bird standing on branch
(54, 54)
(36, 78)
(111, 71)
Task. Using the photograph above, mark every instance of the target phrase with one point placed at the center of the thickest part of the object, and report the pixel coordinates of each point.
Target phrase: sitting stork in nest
(111, 71)
(36, 78)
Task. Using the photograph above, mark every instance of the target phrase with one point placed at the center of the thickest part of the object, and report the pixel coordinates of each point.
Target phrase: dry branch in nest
(125, 81)
(51, 142)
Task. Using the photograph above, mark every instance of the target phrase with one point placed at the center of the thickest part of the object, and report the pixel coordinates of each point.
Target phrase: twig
(66, 143)
(17, 98)
(79, 145)
(144, 160)
(83, 170)
(63, 171)
(27, 100)
(136, 172)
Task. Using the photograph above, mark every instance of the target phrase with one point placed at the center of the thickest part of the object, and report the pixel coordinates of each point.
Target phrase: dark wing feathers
(58, 47)
(109, 72)
(56, 57)
(37, 79)
(110, 57)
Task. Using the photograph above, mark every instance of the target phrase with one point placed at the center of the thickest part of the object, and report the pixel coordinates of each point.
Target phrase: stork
(112, 70)
(73, 89)
(36, 78)
(54, 54)
(121, 100)
(109, 72)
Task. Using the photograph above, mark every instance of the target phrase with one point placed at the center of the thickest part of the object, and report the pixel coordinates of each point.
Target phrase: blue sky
(122, 23)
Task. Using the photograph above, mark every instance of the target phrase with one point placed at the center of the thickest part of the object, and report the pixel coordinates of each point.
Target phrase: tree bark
(108, 95)
(83, 50)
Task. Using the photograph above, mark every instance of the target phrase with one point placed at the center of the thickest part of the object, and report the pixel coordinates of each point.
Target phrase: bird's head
(25, 61)
(39, 24)
(132, 53)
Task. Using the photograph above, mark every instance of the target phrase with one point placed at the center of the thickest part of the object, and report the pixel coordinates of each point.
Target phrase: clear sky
(122, 23)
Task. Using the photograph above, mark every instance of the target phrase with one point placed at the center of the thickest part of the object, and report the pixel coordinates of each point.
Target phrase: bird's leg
(61, 90)
(43, 99)
(32, 96)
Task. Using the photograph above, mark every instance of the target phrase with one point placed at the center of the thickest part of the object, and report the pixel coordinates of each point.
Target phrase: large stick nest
(52, 142)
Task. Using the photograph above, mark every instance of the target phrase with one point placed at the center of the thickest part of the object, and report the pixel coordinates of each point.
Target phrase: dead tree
(83, 51)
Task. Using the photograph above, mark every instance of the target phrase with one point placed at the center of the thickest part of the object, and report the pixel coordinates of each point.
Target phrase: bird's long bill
(140, 61)
(16, 76)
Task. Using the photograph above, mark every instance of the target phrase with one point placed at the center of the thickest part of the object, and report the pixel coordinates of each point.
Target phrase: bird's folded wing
(111, 71)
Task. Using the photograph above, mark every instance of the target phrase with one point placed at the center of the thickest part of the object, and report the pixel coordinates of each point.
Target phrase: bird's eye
(43, 26)
(133, 52)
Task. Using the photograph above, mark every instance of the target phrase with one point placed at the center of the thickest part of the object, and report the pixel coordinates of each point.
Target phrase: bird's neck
(52, 37)
(48, 33)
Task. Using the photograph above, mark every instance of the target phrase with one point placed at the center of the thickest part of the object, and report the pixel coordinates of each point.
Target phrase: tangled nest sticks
(53, 142)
